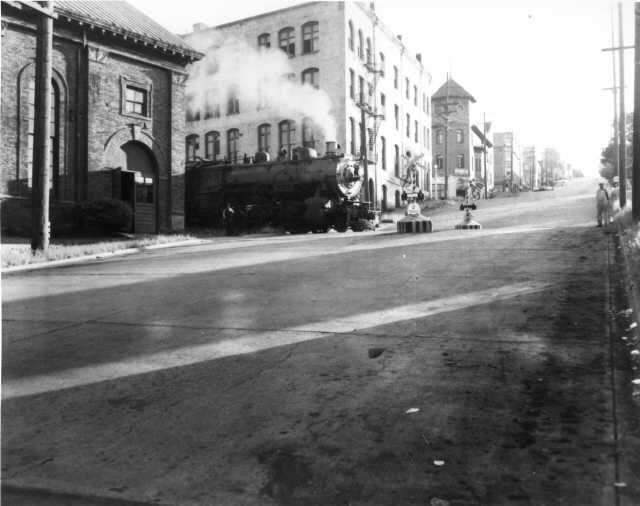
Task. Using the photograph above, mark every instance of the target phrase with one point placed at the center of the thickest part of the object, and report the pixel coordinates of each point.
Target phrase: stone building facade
(339, 58)
(117, 114)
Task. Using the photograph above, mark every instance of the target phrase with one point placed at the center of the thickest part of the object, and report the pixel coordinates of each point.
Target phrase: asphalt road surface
(458, 367)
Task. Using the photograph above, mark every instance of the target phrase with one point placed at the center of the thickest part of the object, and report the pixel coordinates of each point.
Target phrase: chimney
(198, 27)
(419, 57)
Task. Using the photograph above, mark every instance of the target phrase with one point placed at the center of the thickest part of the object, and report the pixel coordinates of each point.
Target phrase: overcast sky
(535, 67)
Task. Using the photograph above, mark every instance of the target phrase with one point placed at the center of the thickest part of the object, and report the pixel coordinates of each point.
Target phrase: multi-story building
(305, 75)
(507, 162)
(453, 154)
(117, 117)
(483, 155)
(531, 167)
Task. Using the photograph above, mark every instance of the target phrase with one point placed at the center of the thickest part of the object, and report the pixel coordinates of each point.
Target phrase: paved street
(474, 367)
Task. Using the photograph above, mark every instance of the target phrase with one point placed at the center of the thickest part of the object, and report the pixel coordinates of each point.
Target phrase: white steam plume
(259, 77)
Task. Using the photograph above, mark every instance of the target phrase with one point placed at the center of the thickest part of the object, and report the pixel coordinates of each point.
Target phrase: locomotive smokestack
(331, 148)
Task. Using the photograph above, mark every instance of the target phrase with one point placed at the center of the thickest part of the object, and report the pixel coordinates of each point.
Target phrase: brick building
(507, 162)
(117, 113)
(302, 76)
(451, 125)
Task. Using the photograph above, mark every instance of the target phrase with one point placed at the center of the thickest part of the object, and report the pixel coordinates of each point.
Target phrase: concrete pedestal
(414, 225)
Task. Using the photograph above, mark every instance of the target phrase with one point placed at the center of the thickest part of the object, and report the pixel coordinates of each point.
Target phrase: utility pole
(41, 139)
(484, 151)
(635, 190)
(621, 119)
(446, 143)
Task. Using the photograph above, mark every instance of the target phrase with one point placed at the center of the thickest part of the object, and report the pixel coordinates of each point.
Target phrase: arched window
(360, 45)
(352, 84)
(264, 137)
(287, 135)
(311, 76)
(233, 145)
(60, 182)
(382, 64)
(350, 40)
(398, 203)
(369, 55)
(308, 137)
(383, 151)
(212, 145)
(287, 40)
(459, 136)
(264, 40)
(384, 198)
(192, 147)
(310, 37)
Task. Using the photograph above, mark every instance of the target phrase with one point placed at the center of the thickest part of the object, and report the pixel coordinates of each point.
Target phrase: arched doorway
(139, 186)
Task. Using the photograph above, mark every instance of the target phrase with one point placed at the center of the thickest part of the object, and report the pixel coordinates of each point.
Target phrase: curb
(100, 256)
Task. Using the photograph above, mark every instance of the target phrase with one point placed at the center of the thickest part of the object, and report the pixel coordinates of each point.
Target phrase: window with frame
(310, 37)
(361, 98)
(439, 137)
(351, 32)
(212, 106)
(233, 145)
(459, 161)
(287, 135)
(383, 151)
(192, 113)
(352, 130)
(416, 130)
(360, 45)
(264, 137)
(424, 136)
(408, 126)
(211, 145)
(191, 145)
(415, 95)
(396, 114)
(428, 138)
(459, 136)
(287, 41)
(311, 76)
(382, 64)
(136, 100)
(308, 136)
(395, 77)
(406, 87)
(352, 84)
(369, 54)
(396, 160)
(264, 40)
(233, 103)
(383, 104)
(440, 165)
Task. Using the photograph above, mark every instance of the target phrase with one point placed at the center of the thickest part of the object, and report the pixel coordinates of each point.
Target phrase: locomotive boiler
(305, 193)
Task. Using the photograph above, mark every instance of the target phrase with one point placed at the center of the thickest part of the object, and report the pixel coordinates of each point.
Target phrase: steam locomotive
(305, 193)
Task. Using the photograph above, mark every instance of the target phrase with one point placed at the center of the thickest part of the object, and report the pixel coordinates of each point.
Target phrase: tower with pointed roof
(452, 142)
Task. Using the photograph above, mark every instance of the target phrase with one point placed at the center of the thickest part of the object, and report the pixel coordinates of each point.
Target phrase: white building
(302, 76)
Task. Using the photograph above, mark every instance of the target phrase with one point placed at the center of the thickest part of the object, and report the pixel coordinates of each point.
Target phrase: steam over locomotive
(305, 193)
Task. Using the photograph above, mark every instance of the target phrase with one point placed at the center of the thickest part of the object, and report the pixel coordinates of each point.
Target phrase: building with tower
(305, 75)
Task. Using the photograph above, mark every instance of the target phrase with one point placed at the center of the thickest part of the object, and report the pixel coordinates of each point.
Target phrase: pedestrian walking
(602, 204)
(229, 219)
